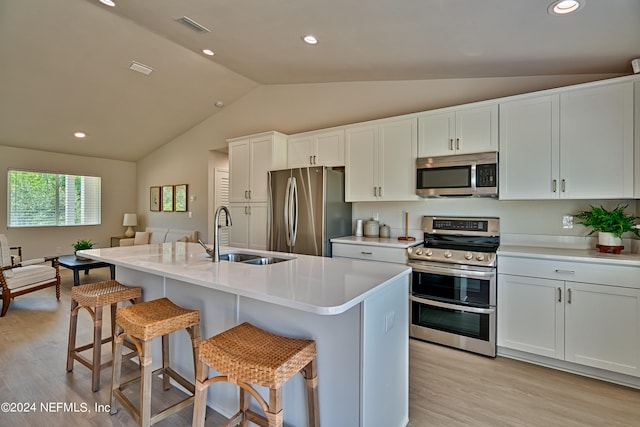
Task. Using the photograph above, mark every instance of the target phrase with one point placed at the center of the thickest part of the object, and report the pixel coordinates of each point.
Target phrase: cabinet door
(260, 164)
(330, 149)
(436, 134)
(531, 315)
(361, 159)
(529, 148)
(603, 327)
(239, 230)
(239, 171)
(596, 142)
(397, 147)
(300, 151)
(258, 226)
(476, 130)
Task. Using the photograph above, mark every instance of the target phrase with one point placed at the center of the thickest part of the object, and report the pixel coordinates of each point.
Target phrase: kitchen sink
(250, 258)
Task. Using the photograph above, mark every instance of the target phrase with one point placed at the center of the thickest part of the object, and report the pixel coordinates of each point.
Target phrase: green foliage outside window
(47, 199)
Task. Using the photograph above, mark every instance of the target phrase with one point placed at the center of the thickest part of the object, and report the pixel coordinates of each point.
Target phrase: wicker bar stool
(93, 297)
(246, 355)
(142, 323)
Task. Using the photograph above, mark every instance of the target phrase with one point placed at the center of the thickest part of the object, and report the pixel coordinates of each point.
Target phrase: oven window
(452, 289)
(473, 325)
(447, 177)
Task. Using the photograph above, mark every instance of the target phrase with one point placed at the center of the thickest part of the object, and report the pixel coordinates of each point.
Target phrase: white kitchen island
(356, 311)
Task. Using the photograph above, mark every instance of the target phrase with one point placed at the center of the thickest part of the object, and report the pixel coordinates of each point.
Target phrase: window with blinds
(38, 199)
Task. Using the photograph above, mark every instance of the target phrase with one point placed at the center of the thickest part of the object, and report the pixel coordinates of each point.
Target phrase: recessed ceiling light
(309, 39)
(562, 7)
(79, 134)
(208, 52)
(109, 3)
(140, 68)
(219, 104)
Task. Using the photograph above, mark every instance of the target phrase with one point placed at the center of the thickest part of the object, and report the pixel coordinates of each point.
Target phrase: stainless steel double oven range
(454, 283)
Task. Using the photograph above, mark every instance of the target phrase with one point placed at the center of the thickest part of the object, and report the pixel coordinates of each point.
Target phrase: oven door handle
(452, 271)
(452, 306)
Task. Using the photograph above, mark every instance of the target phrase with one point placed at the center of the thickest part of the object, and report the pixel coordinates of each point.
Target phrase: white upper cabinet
(250, 158)
(529, 148)
(316, 149)
(576, 144)
(596, 142)
(458, 131)
(637, 139)
(380, 161)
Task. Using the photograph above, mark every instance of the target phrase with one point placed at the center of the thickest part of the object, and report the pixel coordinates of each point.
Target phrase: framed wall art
(154, 199)
(167, 198)
(181, 197)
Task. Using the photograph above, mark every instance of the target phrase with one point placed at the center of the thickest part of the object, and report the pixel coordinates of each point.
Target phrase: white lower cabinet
(249, 225)
(595, 325)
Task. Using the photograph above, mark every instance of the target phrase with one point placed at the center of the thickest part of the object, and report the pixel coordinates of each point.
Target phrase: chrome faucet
(215, 253)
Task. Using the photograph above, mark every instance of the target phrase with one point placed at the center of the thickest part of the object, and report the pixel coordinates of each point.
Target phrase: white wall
(118, 197)
(301, 107)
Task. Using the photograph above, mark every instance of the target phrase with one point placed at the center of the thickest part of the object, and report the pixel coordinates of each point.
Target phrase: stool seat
(252, 355)
(247, 356)
(155, 318)
(141, 323)
(104, 293)
(92, 297)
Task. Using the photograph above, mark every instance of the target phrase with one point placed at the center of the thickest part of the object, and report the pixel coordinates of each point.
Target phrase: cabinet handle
(375, 191)
(564, 271)
(249, 210)
(555, 185)
(246, 194)
(310, 160)
(559, 294)
(366, 253)
(563, 186)
(379, 191)
(451, 144)
(457, 143)
(249, 193)
(569, 296)
(314, 160)
(245, 210)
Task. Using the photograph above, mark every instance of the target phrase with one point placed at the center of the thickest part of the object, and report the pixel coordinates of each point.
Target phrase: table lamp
(130, 220)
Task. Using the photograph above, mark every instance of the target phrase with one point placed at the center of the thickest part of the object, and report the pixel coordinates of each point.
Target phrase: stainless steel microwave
(458, 175)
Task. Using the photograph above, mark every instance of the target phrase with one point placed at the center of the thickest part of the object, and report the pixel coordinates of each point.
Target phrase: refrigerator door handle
(294, 210)
(287, 200)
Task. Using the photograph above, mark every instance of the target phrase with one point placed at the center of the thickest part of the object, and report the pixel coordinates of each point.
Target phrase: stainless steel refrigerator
(306, 210)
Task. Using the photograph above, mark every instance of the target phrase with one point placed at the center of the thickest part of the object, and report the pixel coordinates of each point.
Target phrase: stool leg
(166, 380)
(145, 386)
(311, 378)
(244, 407)
(73, 324)
(274, 414)
(97, 348)
(200, 395)
(117, 366)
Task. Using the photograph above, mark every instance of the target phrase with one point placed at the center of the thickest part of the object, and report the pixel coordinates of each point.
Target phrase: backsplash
(535, 221)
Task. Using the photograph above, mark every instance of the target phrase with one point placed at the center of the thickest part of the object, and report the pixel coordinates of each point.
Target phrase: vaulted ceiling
(64, 64)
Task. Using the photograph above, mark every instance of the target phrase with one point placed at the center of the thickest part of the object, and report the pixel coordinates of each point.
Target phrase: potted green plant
(610, 224)
(81, 245)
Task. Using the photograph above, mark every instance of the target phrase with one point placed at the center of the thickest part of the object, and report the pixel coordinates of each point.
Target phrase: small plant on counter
(614, 221)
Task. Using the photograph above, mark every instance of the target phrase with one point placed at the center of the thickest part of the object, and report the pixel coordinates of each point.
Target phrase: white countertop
(314, 284)
(569, 254)
(377, 241)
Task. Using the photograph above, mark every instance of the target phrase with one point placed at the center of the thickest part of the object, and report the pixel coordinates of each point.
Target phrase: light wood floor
(447, 387)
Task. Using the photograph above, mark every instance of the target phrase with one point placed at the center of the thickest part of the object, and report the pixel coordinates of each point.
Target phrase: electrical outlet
(567, 221)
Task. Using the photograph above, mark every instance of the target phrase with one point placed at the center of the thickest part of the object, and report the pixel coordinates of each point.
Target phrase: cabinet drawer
(572, 271)
(370, 252)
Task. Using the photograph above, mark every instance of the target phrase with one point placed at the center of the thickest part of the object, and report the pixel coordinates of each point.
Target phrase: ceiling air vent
(193, 25)
(141, 68)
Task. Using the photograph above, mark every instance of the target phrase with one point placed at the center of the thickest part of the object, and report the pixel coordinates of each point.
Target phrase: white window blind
(37, 199)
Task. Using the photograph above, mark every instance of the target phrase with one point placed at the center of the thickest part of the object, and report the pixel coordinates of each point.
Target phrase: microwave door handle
(452, 306)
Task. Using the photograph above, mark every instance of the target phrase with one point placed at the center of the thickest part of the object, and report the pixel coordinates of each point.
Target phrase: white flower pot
(608, 239)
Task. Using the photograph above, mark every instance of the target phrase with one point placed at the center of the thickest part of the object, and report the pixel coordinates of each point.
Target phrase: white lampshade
(130, 220)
